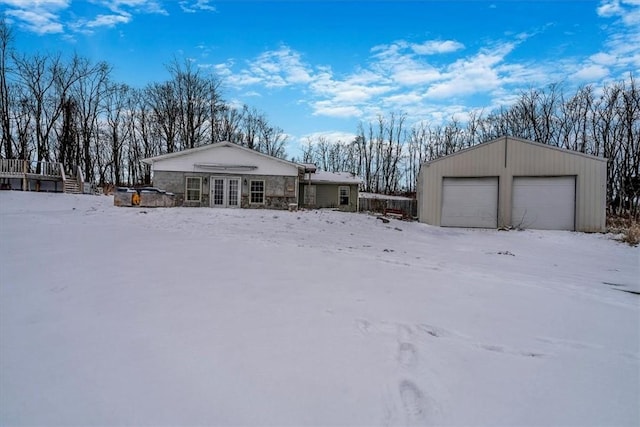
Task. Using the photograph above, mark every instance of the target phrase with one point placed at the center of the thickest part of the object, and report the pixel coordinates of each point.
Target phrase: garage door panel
(544, 203)
(469, 202)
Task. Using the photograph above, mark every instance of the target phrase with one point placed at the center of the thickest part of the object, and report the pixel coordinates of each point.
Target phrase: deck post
(24, 175)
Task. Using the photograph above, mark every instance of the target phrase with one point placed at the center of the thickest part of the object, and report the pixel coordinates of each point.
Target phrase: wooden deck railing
(18, 168)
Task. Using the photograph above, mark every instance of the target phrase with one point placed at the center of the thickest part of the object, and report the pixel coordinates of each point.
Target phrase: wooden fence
(408, 206)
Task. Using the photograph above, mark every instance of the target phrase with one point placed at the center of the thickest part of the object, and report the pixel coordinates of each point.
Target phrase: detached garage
(514, 182)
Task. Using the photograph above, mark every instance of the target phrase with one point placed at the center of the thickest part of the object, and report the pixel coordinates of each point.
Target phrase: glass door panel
(233, 194)
(218, 192)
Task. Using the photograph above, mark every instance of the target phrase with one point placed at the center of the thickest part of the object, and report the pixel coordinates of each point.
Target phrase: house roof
(316, 177)
(521, 140)
(333, 178)
(152, 160)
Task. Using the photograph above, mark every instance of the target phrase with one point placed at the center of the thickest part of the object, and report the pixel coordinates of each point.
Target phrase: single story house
(514, 182)
(227, 175)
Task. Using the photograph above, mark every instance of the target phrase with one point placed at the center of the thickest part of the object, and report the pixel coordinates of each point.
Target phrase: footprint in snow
(413, 402)
(407, 355)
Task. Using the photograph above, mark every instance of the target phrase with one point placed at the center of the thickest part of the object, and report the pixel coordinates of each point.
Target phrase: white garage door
(470, 202)
(544, 203)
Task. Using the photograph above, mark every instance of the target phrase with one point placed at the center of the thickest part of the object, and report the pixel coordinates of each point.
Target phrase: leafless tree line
(603, 122)
(70, 110)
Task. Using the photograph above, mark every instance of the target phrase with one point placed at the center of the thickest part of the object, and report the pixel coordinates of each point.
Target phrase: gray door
(544, 203)
(470, 202)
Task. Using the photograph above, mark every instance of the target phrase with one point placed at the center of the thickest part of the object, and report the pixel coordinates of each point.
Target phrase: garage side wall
(507, 158)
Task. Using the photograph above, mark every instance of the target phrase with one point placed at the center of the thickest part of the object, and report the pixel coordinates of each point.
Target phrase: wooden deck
(26, 175)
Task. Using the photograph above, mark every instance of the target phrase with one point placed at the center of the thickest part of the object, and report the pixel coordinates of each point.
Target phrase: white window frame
(251, 192)
(187, 188)
(343, 187)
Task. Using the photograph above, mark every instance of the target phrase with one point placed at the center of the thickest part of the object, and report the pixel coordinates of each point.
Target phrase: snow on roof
(333, 177)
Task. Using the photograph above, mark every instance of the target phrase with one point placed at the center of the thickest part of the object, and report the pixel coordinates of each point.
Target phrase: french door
(225, 192)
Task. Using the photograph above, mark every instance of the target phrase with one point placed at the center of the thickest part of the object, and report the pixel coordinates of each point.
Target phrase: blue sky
(318, 68)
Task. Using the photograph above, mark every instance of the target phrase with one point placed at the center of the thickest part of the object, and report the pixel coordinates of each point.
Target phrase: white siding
(254, 163)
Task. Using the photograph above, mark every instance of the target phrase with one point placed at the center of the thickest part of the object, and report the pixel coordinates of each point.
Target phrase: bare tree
(88, 94)
(117, 130)
(6, 40)
(163, 101)
(193, 93)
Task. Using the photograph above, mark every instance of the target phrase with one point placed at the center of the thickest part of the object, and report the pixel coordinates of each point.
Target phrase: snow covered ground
(125, 316)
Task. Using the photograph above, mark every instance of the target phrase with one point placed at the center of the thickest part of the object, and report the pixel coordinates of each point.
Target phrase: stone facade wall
(172, 182)
(279, 191)
(146, 200)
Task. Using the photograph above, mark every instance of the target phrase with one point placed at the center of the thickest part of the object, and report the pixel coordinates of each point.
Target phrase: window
(257, 192)
(194, 186)
(343, 195)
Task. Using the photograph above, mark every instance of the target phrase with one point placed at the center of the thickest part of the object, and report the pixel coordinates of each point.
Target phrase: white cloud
(472, 75)
(590, 73)
(403, 99)
(108, 20)
(622, 46)
(252, 94)
(144, 6)
(433, 47)
(609, 8)
(326, 108)
(399, 61)
(329, 136)
(355, 88)
(38, 16)
(122, 12)
(273, 69)
(40, 23)
(284, 62)
(627, 10)
(44, 16)
(241, 79)
(37, 4)
(191, 6)
(603, 58)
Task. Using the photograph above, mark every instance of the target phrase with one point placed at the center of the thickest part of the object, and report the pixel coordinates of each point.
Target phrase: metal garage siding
(544, 203)
(474, 162)
(470, 202)
(509, 157)
(526, 158)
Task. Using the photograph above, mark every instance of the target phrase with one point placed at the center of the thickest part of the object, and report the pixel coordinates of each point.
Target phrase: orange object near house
(135, 199)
